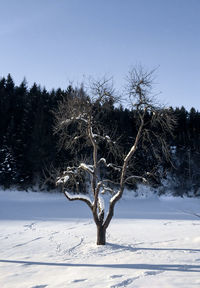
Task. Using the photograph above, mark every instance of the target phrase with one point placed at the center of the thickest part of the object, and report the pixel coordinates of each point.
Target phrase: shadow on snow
(161, 267)
(134, 249)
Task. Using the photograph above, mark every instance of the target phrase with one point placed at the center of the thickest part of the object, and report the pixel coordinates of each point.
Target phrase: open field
(46, 241)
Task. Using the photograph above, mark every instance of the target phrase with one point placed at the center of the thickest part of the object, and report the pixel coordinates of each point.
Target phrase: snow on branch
(81, 117)
(80, 197)
(62, 179)
(115, 196)
(107, 189)
(104, 138)
(66, 121)
(101, 203)
(110, 165)
(135, 177)
(101, 206)
(88, 168)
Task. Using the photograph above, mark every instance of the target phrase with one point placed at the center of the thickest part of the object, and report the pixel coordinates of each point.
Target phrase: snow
(49, 242)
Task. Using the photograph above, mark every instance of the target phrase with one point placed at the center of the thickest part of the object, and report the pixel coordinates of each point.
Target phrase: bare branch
(110, 165)
(102, 91)
(135, 177)
(140, 84)
(115, 183)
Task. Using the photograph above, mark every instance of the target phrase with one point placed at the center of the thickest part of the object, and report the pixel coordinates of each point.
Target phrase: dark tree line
(28, 146)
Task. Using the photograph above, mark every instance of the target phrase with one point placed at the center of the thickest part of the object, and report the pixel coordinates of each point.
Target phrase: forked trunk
(101, 235)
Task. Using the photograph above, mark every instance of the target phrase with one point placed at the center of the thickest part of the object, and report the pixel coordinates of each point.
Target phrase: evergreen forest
(29, 150)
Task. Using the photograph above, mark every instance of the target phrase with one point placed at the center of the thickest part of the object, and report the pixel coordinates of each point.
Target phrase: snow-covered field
(46, 241)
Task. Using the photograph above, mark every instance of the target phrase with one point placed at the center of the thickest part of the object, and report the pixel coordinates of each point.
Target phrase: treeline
(29, 150)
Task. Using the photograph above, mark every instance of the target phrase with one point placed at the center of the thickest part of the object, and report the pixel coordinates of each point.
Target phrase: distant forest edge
(29, 150)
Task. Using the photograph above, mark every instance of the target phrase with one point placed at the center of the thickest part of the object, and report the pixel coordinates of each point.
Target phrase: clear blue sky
(52, 42)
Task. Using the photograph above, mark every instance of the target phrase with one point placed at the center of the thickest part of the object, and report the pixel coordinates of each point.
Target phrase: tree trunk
(101, 235)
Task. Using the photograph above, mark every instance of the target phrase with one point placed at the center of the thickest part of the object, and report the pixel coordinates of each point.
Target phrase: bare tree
(77, 122)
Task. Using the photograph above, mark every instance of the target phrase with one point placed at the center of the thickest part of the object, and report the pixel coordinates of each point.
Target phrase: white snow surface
(49, 242)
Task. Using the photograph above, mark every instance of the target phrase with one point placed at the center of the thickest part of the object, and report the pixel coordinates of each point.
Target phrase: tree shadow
(134, 249)
(158, 267)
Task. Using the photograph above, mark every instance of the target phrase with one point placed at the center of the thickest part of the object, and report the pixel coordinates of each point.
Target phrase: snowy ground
(46, 241)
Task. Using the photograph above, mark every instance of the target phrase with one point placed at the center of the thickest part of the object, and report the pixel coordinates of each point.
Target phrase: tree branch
(79, 197)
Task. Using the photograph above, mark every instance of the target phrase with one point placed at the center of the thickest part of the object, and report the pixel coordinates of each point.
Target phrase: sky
(56, 42)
